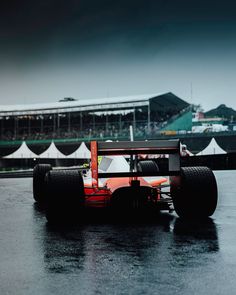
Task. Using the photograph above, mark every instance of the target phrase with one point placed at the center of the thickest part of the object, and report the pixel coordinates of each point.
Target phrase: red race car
(124, 184)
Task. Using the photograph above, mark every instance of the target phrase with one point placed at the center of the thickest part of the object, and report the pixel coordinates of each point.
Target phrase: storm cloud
(51, 49)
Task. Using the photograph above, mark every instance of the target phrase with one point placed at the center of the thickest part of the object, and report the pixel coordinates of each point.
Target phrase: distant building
(203, 124)
(198, 116)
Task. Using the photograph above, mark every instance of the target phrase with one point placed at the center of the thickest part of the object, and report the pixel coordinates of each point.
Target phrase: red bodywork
(97, 196)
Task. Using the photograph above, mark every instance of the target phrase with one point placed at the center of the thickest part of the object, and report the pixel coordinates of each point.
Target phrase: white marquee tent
(212, 149)
(23, 152)
(52, 153)
(82, 152)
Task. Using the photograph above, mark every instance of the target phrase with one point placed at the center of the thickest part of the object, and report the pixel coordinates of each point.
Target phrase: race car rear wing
(170, 147)
(138, 147)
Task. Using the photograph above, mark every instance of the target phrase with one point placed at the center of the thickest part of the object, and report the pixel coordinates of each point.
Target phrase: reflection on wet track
(166, 255)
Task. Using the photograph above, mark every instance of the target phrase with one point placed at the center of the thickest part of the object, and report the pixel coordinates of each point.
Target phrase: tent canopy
(23, 152)
(52, 153)
(82, 152)
(212, 149)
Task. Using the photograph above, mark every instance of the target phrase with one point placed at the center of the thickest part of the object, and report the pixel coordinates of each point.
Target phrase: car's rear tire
(147, 166)
(65, 195)
(194, 192)
(39, 186)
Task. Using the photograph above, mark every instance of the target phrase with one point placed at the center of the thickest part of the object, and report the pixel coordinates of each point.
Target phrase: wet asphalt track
(167, 256)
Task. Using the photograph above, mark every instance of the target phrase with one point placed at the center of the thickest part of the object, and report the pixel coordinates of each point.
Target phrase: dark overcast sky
(95, 48)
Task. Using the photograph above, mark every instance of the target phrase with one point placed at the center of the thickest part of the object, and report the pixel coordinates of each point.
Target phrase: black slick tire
(194, 192)
(65, 196)
(148, 166)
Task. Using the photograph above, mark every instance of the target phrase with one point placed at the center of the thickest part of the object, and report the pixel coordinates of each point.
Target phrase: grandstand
(91, 118)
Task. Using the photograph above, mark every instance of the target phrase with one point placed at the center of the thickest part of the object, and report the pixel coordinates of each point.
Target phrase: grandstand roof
(107, 103)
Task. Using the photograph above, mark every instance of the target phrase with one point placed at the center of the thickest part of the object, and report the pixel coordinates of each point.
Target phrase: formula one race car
(123, 186)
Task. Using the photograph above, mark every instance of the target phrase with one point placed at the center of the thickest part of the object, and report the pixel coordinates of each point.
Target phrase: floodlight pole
(134, 120)
(131, 132)
(149, 117)
(133, 159)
